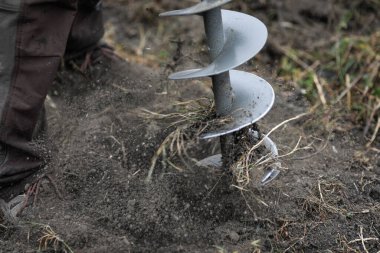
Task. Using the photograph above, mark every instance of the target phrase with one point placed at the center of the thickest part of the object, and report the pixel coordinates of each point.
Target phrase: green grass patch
(345, 72)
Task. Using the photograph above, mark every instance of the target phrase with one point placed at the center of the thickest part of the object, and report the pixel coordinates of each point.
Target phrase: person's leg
(87, 29)
(34, 34)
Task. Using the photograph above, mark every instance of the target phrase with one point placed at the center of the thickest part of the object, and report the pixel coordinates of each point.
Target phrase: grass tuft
(190, 120)
(345, 72)
(326, 197)
(50, 237)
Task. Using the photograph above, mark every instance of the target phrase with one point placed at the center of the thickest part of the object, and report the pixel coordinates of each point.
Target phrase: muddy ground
(326, 199)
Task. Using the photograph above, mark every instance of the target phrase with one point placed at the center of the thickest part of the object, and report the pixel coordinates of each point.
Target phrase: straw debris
(190, 120)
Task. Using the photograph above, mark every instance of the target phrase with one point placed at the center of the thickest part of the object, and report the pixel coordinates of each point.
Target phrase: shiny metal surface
(244, 36)
(254, 97)
(196, 9)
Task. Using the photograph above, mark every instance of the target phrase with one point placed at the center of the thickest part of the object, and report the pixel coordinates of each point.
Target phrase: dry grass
(344, 72)
(254, 247)
(257, 159)
(326, 197)
(50, 240)
(187, 123)
(361, 242)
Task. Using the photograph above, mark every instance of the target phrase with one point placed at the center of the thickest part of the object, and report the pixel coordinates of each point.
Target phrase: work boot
(12, 198)
(10, 210)
(88, 61)
(90, 70)
(11, 157)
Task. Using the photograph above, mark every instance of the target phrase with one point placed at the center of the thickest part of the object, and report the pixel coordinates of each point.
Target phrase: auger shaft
(221, 83)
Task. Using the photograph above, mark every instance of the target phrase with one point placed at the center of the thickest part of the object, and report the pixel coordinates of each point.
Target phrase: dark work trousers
(34, 36)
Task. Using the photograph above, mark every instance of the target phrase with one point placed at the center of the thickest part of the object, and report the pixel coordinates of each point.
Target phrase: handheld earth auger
(233, 38)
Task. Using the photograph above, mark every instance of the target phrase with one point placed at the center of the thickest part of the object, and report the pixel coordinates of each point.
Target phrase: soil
(326, 198)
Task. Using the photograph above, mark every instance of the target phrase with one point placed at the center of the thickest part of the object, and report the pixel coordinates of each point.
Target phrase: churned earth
(326, 198)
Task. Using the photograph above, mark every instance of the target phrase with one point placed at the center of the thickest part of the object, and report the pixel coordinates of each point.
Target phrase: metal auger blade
(272, 171)
(242, 98)
(245, 37)
(196, 9)
(254, 97)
